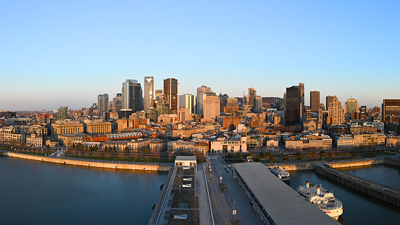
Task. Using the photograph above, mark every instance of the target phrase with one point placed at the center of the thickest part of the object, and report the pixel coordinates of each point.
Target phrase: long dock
(276, 202)
(368, 187)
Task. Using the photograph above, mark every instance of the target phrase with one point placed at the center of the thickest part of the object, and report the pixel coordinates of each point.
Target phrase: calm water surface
(358, 208)
(41, 193)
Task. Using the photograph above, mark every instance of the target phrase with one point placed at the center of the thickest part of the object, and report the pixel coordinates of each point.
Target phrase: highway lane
(223, 203)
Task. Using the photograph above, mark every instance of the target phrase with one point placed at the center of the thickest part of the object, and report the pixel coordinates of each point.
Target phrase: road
(224, 203)
(59, 152)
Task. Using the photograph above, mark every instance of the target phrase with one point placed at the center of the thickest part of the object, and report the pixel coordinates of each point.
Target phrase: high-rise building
(232, 105)
(211, 107)
(252, 96)
(293, 106)
(391, 107)
(284, 101)
(314, 101)
(188, 101)
(352, 106)
(329, 99)
(257, 105)
(171, 94)
(132, 95)
(102, 101)
(301, 86)
(363, 109)
(63, 113)
(117, 102)
(148, 92)
(335, 112)
(201, 96)
(203, 89)
(223, 98)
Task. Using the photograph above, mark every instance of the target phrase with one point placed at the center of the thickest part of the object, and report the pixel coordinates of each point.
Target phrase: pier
(276, 202)
(368, 187)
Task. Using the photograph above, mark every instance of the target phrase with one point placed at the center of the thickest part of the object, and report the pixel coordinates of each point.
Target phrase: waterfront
(358, 208)
(42, 193)
(388, 175)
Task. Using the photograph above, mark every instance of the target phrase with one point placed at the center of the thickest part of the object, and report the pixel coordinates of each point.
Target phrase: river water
(41, 193)
(358, 208)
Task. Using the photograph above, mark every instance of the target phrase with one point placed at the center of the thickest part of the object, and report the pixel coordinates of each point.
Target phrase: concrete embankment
(338, 164)
(368, 187)
(94, 164)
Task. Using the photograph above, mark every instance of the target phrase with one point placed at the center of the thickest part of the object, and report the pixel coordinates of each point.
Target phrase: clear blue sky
(55, 53)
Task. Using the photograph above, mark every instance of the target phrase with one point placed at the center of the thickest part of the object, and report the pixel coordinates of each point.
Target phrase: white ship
(281, 173)
(323, 199)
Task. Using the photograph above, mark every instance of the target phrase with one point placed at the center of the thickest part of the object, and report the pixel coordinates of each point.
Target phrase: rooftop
(282, 203)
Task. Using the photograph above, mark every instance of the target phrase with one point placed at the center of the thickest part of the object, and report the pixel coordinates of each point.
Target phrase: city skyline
(77, 103)
(61, 59)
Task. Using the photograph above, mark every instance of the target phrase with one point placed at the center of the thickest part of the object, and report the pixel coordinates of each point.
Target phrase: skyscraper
(352, 106)
(102, 102)
(131, 95)
(211, 107)
(391, 107)
(293, 106)
(301, 86)
(329, 99)
(252, 96)
(188, 101)
(148, 92)
(201, 96)
(335, 111)
(314, 101)
(117, 102)
(171, 94)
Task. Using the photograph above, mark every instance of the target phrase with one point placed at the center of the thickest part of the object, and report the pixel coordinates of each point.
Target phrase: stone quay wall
(93, 163)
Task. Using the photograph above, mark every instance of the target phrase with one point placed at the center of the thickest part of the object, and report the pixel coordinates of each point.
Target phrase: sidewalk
(204, 206)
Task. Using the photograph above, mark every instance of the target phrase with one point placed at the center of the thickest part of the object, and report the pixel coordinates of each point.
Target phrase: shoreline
(338, 164)
(93, 163)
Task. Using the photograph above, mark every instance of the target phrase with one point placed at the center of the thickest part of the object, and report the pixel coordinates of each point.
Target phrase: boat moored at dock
(323, 199)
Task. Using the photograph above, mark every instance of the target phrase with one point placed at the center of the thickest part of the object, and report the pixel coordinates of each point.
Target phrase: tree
(126, 149)
(261, 154)
(145, 151)
(106, 149)
(300, 158)
(285, 158)
(73, 146)
(121, 156)
(97, 154)
(73, 152)
(256, 159)
(268, 154)
(114, 148)
(239, 154)
(310, 154)
(322, 153)
(48, 146)
(298, 154)
(95, 148)
(107, 155)
(354, 155)
(272, 158)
